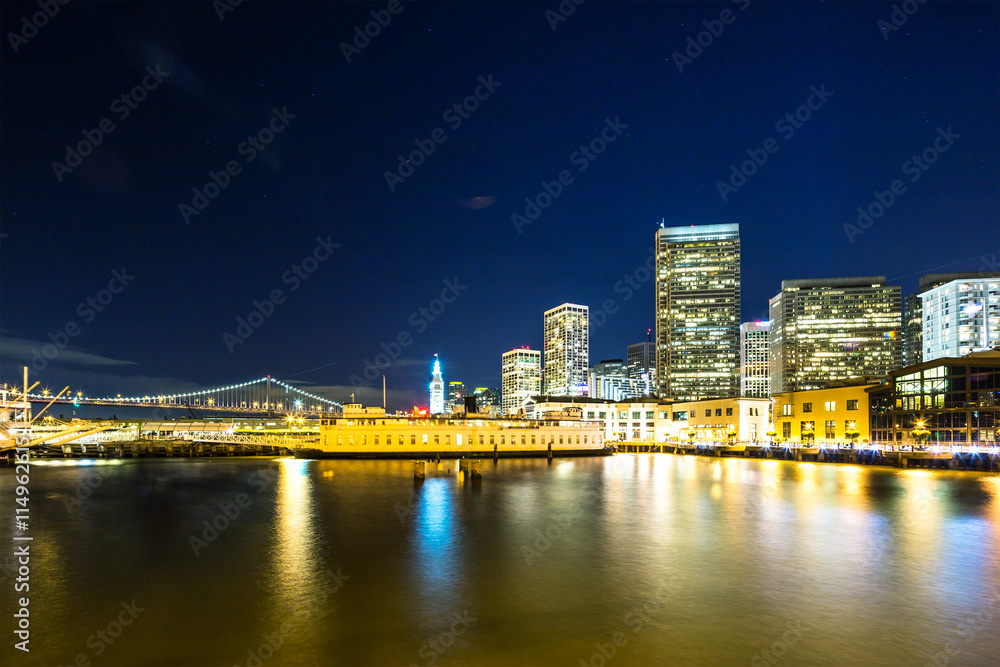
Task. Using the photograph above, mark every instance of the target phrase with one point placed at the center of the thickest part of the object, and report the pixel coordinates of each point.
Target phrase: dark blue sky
(323, 174)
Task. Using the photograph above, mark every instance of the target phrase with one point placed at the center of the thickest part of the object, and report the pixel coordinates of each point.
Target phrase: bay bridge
(253, 424)
(263, 396)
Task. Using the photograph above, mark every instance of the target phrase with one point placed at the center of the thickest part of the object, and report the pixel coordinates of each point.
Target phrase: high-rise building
(487, 397)
(567, 350)
(833, 329)
(610, 368)
(697, 311)
(616, 387)
(521, 372)
(755, 374)
(641, 359)
(437, 389)
(961, 313)
(913, 330)
(456, 395)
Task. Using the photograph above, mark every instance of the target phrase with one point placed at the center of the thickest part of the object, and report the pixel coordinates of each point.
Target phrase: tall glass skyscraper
(834, 329)
(567, 350)
(698, 311)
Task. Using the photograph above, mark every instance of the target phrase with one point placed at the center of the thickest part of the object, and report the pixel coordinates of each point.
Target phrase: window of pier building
(831, 406)
(852, 405)
(729, 412)
(718, 412)
(636, 414)
(786, 430)
(807, 407)
(708, 413)
(831, 429)
(786, 410)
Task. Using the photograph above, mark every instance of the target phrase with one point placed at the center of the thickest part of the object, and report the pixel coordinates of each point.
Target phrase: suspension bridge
(263, 396)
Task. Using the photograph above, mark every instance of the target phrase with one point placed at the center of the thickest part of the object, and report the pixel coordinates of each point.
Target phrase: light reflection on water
(884, 566)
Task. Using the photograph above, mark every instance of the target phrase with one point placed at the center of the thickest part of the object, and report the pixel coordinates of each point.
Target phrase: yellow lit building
(719, 419)
(829, 412)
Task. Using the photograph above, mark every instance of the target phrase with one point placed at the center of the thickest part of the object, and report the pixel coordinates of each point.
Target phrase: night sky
(447, 226)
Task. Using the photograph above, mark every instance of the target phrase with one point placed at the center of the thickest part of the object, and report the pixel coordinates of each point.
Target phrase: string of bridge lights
(142, 399)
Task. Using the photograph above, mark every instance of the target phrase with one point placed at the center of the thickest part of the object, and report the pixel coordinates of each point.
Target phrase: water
(682, 560)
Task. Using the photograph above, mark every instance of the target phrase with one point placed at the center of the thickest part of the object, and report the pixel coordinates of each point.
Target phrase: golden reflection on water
(295, 569)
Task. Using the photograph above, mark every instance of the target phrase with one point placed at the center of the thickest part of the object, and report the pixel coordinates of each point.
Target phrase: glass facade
(958, 401)
(697, 311)
(960, 315)
(521, 371)
(567, 350)
(833, 329)
(755, 374)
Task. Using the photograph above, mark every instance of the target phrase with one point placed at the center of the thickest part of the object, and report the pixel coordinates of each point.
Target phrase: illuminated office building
(913, 330)
(755, 373)
(641, 360)
(567, 350)
(697, 311)
(833, 329)
(521, 373)
(961, 313)
(456, 395)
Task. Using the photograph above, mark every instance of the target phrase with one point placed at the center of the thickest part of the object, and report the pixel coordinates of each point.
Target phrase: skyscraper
(437, 389)
(456, 395)
(755, 374)
(833, 329)
(567, 350)
(521, 372)
(913, 330)
(641, 360)
(697, 311)
(961, 313)
(487, 398)
(610, 368)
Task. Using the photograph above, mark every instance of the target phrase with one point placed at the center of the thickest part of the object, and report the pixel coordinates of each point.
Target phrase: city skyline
(291, 265)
